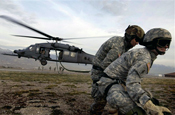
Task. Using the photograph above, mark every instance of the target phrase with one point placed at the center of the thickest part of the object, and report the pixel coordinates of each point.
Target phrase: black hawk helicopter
(41, 51)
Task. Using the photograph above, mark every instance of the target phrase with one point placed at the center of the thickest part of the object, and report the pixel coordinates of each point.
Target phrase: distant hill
(161, 69)
(5, 50)
(24, 63)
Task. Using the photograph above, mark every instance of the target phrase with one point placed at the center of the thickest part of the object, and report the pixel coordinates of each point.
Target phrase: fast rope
(68, 69)
(56, 62)
(74, 70)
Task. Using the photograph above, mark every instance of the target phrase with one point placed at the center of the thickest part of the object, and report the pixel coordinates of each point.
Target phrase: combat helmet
(157, 37)
(134, 31)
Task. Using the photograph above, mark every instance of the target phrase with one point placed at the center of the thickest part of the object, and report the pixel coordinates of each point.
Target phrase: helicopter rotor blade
(42, 33)
(70, 42)
(63, 39)
(31, 37)
(41, 38)
(86, 37)
(26, 26)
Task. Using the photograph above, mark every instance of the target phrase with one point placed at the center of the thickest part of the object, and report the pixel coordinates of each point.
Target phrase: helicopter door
(42, 51)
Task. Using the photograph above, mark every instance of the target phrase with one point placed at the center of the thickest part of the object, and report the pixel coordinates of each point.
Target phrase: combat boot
(110, 111)
(96, 110)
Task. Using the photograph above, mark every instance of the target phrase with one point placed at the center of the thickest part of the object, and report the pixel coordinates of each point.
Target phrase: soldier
(121, 82)
(108, 52)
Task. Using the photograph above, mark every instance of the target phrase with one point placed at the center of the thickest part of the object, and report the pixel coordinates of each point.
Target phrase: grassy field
(162, 89)
(44, 77)
(72, 91)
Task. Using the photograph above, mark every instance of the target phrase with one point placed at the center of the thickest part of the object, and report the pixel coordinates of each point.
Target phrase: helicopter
(41, 51)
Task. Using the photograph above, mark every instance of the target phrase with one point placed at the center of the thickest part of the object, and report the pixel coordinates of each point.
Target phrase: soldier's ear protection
(128, 37)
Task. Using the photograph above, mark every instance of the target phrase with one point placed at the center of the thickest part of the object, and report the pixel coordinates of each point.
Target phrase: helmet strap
(159, 52)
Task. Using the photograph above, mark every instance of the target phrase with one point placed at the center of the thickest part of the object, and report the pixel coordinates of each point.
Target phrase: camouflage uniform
(107, 53)
(121, 81)
(130, 68)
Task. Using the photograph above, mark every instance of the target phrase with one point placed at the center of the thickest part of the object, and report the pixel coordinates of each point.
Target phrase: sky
(85, 18)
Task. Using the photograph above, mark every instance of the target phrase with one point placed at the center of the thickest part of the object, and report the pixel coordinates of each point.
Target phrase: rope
(74, 70)
(56, 62)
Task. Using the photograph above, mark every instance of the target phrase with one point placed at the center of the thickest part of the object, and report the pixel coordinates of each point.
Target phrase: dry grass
(163, 89)
(74, 89)
(44, 77)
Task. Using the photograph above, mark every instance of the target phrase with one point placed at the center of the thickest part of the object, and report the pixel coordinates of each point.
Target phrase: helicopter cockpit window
(31, 48)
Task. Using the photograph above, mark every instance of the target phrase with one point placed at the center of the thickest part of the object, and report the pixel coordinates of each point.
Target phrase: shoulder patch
(141, 68)
(148, 65)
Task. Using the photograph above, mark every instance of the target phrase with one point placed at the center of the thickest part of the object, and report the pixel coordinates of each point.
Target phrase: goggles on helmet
(163, 42)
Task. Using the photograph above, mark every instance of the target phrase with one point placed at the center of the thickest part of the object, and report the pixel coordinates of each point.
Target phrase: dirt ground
(35, 98)
(40, 97)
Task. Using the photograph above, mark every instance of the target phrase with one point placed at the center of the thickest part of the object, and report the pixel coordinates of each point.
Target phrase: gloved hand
(155, 110)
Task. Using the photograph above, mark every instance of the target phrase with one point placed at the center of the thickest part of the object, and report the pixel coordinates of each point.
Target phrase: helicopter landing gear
(43, 62)
(19, 56)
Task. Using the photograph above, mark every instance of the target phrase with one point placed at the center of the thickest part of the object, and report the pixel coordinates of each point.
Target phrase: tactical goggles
(163, 42)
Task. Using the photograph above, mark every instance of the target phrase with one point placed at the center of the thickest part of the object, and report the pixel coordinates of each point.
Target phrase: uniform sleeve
(113, 54)
(133, 83)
